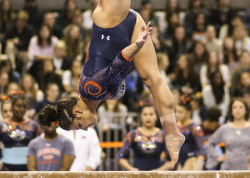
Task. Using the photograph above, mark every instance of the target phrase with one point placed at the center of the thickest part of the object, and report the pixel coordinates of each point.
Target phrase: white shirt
(57, 63)
(87, 149)
(87, 19)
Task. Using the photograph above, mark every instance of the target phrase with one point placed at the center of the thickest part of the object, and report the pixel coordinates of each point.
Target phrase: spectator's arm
(94, 158)
(31, 165)
(67, 162)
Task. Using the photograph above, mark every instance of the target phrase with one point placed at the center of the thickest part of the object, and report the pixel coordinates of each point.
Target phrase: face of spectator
(245, 58)
(13, 87)
(145, 14)
(213, 59)
(4, 80)
(52, 93)
(71, 5)
(48, 66)
(173, 4)
(236, 21)
(182, 62)
(7, 111)
(164, 63)
(50, 131)
(19, 108)
(180, 33)
(49, 20)
(76, 68)
(5, 6)
(6, 68)
(181, 113)
(229, 43)
(199, 49)
(195, 105)
(238, 110)
(245, 79)
(196, 4)
(174, 20)
(77, 20)
(200, 20)
(59, 52)
(211, 34)
(111, 104)
(27, 82)
(224, 3)
(21, 23)
(239, 32)
(74, 32)
(148, 117)
(217, 79)
(44, 32)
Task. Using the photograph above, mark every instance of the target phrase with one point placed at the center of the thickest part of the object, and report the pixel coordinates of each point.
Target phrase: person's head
(163, 61)
(172, 6)
(50, 131)
(22, 18)
(236, 20)
(199, 49)
(238, 110)
(52, 92)
(216, 79)
(239, 32)
(27, 82)
(200, 19)
(245, 79)
(4, 79)
(69, 5)
(76, 68)
(145, 14)
(173, 19)
(213, 59)
(5, 6)
(223, 3)
(210, 32)
(48, 66)
(30, 4)
(44, 35)
(228, 44)
(183, 62)
(60, 49)
(77, 17)
(148, 113)
(5, 64)
(19, 106)
(179, 33)
(13, 87)
(71, 112)
(111, 105)
(49, 19)
(245, 58)
(194, 4)
(212, 118)
(196, 101)
(73, 32)
(146, 4)
(6, 109)
(183, 109)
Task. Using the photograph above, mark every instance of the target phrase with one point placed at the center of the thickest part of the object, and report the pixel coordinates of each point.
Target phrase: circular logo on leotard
(92, 84)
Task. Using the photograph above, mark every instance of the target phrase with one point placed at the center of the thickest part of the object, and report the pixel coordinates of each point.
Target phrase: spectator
(74, 45)
(157, 41)
(50, 151)
(35, 14)
(244, 59)
(217, 93)
(163, 63)
(87, 15)
(60, 60)
(87, 149)
(147, 143)
(198, 31)
(16, 133)
(198, 108)
(212, 43)
(12, 88)
(199, 55)
(17, 38)
(237, 146)
(241, 39)
(52, 95)
(185, 79)
(173, 21)
(41, 46)
(243, 84)
(6, 109)
(230, 57)
(4, 82)
(7, 17)
(49, 19)
(213, 65)
(191, 156)
(70, 78)
(6, 66)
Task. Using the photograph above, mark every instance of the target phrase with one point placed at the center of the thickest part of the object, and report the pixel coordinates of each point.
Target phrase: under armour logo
(108, 37)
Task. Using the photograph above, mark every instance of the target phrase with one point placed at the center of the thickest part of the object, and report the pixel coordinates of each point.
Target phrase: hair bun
(47, 115)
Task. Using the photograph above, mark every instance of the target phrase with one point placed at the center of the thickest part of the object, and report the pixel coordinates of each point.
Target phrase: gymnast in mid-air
(120, 37)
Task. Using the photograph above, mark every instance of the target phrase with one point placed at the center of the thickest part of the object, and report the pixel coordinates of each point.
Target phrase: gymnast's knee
(153, 80)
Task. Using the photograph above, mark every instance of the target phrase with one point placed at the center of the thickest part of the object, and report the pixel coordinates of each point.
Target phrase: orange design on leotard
(95, 85)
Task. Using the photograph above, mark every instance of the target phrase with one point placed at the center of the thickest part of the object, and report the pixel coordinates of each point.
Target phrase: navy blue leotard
(106, 67)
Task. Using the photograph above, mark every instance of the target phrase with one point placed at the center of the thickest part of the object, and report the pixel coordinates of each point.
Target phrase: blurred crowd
(203, 55)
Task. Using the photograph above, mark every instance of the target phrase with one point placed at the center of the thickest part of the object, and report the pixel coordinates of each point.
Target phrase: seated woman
(147, 143)
(119, 36)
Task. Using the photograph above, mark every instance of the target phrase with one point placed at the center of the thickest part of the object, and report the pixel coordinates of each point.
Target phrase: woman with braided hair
(120, 38)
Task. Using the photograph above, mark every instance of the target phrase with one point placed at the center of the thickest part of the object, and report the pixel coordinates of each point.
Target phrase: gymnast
(120, 37)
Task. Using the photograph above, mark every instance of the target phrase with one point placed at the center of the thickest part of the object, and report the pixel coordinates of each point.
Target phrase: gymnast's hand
(145, 31)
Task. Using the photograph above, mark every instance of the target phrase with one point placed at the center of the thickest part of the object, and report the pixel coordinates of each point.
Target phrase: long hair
(10, 14)
(62, 113)
(5, 63)
(230, 115)
(209, 67)
(226, 53)
(33, 89)
(218, 90)
(39, 38)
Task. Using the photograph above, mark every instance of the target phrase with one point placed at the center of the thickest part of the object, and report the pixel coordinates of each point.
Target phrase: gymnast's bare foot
(145, 31)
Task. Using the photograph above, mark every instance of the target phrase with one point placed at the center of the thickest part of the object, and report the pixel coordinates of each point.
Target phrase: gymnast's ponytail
(62, 113)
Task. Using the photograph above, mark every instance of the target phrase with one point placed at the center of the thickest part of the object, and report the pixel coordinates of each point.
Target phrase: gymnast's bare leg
(110, 13)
